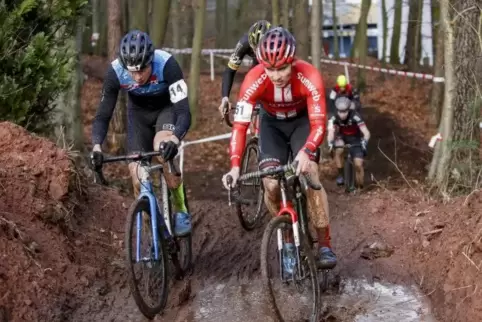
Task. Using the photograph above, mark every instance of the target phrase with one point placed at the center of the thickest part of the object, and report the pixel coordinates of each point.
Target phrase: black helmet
(257, 31)
(136, 50)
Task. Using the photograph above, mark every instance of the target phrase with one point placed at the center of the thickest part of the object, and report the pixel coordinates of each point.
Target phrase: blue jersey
(165, 88)
(156, 86)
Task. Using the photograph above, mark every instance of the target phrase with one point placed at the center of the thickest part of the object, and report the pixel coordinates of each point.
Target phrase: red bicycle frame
(288, 208)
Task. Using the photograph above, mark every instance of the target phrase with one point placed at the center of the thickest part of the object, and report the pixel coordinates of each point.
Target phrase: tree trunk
(158, 28)
(102, 42)
(413, 35)
(176, 30)
(275, 12)
(435, 6)
(285, 17)
(119, 120)
(336, 48)
(316, 33)
(69, 112)
(219, 22)
(95, 27)
(438, 87)
(439, 168)
(125, 16)
(466, 102)
(138, 17)
(397, 25)
(385, 30)
(300, 28)
(362, 45)
(196, 58)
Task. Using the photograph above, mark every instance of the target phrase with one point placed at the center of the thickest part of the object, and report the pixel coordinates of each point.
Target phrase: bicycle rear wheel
(250, 216)
(274, 280)
(139, 213)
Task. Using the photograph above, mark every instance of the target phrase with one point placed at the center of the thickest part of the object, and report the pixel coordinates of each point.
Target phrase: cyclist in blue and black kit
(158, 115)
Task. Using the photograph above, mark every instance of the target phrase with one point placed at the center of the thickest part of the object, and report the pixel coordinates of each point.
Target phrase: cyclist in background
(293, 116)
(246, 46)
(158, 115)
(344, 88)
(347, 127)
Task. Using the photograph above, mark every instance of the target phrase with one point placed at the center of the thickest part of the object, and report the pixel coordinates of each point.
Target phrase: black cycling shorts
(355, 151)
(278, 138)
(144, 123)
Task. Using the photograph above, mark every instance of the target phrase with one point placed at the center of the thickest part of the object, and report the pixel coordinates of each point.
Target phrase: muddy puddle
(355, 300)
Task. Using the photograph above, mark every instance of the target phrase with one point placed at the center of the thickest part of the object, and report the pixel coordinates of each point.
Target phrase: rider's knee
(137, 172)
(271, 187)
(358, 162)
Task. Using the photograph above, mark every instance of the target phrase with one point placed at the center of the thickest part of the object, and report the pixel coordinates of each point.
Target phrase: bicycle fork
(287, 208)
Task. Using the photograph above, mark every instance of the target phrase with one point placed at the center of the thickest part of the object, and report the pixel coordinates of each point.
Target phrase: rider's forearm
(365, 132)
(238, 140)
(331, 135)
(183, 118)
(317, 134)
(108, 100)
(228, 79)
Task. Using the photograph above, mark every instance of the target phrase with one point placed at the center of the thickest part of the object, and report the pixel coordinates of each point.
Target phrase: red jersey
(304, 91)
(348, 90)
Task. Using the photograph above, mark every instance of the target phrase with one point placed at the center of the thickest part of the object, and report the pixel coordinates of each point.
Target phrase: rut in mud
(66, 236)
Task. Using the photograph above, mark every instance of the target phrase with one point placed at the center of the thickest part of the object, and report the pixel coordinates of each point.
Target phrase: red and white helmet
(276, 48)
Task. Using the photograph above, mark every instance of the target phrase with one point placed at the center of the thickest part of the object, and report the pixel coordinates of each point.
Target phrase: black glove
(168, 150)
(96, 159)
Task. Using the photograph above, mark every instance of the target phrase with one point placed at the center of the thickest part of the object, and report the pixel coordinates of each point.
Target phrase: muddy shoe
(183, 224)
(340, 181)
(327, 258)
(289, 260)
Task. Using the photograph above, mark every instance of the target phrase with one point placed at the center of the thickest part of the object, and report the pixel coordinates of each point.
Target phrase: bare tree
(285, 10)
(196, 58)
(438, 87)
(158, 28)
(336, 49)
(69, 112)
(138, 11)
(275, 12)
(118, 135)
(361, 46)
(440, 161)
(316, 33)
(397, 25)
(385, 30)
(300, 28)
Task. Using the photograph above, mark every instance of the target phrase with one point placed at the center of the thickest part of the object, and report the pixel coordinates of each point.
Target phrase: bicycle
(293, 212)
(349, 168)
(250, 156)
(163, 245)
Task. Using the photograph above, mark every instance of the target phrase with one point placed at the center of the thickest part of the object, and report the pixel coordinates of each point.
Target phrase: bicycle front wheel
(295, 295)
(148, 284)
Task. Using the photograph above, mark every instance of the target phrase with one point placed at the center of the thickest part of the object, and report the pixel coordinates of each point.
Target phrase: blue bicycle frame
(147, 192)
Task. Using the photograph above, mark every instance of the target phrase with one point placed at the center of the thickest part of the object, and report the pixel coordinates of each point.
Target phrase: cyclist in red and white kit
(292, 117)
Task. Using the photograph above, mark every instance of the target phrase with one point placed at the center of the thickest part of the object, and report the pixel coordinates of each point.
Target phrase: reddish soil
(61, 236)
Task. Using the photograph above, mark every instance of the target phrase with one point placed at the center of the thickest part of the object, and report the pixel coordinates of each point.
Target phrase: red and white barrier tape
(217, 53)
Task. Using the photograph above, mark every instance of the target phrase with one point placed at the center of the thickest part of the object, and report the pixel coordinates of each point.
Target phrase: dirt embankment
(56, 235)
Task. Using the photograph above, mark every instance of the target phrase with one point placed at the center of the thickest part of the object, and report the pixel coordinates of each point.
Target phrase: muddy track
(226, 257)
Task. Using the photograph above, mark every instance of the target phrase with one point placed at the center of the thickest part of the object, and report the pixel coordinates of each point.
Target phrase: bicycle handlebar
(277, 171)
(142, 156)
